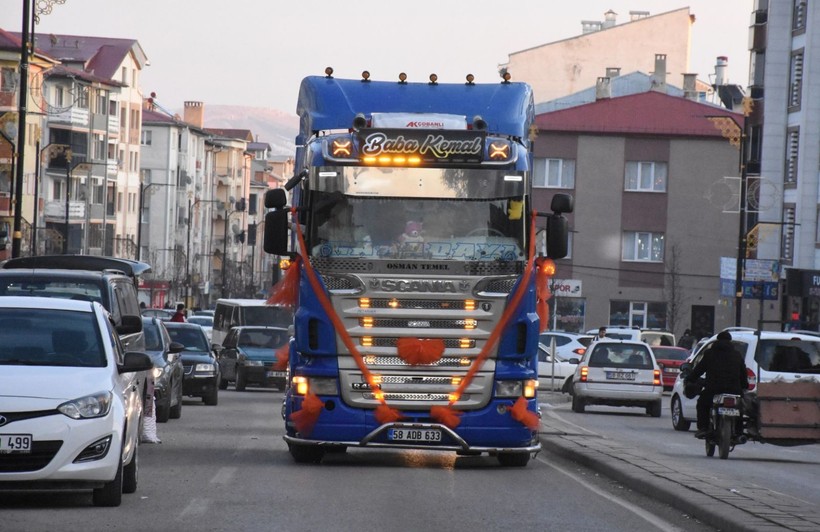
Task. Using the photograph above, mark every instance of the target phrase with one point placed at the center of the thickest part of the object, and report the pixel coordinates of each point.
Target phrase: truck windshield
(412, 213)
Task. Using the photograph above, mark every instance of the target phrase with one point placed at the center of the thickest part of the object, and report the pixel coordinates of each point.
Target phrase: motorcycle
(725, 425)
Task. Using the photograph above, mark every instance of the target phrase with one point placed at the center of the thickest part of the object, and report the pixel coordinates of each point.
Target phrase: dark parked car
(201, 368)
(168, 370)
(249, 354)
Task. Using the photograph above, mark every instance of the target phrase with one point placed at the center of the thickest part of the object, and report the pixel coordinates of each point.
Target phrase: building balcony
(72, 116)
(114, 126)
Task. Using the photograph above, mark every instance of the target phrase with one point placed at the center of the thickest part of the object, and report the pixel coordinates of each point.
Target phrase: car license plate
(620, 375)
(270, 374)
(431, 435)
(728, 411)
(15, 443)
(672, 370)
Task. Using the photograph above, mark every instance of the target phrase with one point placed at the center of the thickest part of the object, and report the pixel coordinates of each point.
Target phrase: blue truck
(412, 228)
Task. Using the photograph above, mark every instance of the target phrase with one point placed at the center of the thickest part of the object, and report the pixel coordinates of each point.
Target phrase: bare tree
(673, 292)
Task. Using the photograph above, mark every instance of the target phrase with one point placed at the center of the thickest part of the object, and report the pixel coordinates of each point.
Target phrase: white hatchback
(769, 355)
(70, 404)
(618, 373)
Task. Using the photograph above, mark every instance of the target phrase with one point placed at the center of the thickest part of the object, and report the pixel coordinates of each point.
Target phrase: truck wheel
(306, 454)
(578, 404)
(678, 421)
(513, 459)
(241, 380)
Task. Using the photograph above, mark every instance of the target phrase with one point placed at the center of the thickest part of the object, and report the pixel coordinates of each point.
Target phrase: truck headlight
(316, 385)
(508, 388)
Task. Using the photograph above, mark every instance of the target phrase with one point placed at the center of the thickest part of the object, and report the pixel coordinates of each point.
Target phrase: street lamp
(736, 134)
(191, 206)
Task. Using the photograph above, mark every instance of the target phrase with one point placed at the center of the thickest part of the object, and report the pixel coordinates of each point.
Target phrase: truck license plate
(620, 375)
(431, 435)
(15, 443)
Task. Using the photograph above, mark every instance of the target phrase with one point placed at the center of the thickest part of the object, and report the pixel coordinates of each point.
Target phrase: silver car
(618, 373)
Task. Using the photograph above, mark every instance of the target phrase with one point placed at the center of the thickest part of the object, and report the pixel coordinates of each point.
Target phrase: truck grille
(444, 362)
(448, 342)
(410, 396)
(399, 323)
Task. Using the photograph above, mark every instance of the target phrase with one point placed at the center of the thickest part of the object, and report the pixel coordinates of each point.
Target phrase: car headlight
(204, 367)
(156, 373)
(254, 363)
(90, 406)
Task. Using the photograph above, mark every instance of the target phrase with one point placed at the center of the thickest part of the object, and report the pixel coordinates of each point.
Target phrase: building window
(119, 201)
(8, 79)
(645, 176)
(642, 314)
(796, 80)
(643, 246)
(554, 173)
(82, 97)
(146, 137)
(101, 107)
(799, 16)
(793, 150)
(787, 242)
(57, 190)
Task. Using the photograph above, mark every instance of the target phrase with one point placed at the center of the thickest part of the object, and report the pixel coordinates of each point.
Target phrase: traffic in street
(227, 468)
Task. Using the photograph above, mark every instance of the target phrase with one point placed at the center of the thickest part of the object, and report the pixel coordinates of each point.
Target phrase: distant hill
(277, 128)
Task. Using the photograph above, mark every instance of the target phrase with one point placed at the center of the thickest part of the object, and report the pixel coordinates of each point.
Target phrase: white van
(235, 312)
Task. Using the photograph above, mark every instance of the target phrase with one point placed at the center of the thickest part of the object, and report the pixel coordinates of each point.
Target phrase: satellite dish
(235, 229)
(231, 199)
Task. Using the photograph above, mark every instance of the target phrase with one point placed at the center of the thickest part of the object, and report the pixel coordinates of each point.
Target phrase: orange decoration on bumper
(385, 414)
(446, 416)
(520, 413)
(305, 419)
(281, 363)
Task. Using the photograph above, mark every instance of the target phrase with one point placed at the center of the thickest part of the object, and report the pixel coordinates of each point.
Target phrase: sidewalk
(714, 501)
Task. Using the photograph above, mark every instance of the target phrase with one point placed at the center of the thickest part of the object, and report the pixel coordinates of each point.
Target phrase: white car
(567, 344)
(70, 400)
(618, 373)
(769, 355)
(652, 337)
(563, 369)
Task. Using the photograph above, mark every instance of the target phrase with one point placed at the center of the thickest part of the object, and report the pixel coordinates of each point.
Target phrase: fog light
(95, 451)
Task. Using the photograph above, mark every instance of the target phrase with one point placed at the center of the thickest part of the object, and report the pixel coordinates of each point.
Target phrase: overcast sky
(255, 52)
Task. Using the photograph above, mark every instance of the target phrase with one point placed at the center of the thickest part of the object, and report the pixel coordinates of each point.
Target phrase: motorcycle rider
(725, 372)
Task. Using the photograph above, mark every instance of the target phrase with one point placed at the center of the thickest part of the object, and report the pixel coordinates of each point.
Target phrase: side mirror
(216, 348)
(575, 361)
(129, 325)
(276, 232)
(276, 198)
(176, 347)
(134, 361)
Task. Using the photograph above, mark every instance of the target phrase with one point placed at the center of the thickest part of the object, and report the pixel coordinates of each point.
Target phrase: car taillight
(657, 379)
(750, 378)
(580, 351)
(729, 401)
(584, 373)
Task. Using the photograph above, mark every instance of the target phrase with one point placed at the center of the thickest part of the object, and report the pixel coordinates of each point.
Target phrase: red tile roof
(646, 113)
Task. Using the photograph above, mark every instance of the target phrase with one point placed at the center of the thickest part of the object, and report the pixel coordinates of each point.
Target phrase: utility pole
(17, 235)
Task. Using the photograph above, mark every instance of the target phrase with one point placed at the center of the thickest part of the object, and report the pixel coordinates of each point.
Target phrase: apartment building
(784, 135)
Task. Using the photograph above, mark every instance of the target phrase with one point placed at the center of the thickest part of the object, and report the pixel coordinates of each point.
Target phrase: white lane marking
(649, 517)
(224, 475)
(195, 508)
(552, 414)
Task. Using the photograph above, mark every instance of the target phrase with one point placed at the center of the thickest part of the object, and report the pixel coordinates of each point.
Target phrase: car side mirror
(575, 361)
(176, 347)
(134, 361)
(129, 325)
